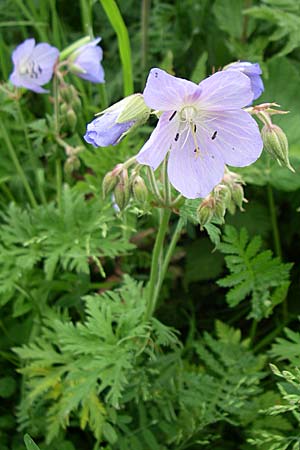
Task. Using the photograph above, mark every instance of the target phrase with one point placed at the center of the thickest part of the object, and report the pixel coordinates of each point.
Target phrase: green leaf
(252, 273)
(229, 16)
(30, 444)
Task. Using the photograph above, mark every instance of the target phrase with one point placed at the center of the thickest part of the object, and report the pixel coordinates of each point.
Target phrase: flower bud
(205, 211)
(71, 118)
(109, 183)
(72, 163)
(139, 189)
(220, 208)
(276, 144)
(237, 195)
(122, 190)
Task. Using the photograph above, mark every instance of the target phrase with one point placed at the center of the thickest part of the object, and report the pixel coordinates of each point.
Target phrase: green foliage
(285, 15)
(290, 393)
(253, 273)
(70, 238)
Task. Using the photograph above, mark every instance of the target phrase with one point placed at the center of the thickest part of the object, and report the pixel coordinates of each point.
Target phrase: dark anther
(156, 74)
(195, 128)
(173, 114)
(214, 135)
(177, 137)
(195, 150)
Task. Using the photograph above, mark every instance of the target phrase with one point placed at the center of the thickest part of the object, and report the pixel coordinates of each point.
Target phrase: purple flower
(253, 71)
(202, 126)
(33, 65)
(105, 130)
(85, 62)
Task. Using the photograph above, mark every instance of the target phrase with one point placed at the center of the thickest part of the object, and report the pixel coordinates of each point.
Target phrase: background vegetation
(80, 368)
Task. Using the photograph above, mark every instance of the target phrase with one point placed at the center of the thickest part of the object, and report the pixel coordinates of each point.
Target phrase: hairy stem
(152, 292)
(145, 9)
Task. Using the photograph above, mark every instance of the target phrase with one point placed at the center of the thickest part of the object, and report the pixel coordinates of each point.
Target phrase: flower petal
(104, 130)
(194, 175)
(23, 51)
(26, 82)
(225, 90)
(166, 93)
(160, 141)
(45, 56)
(89, 61)
(234, 135)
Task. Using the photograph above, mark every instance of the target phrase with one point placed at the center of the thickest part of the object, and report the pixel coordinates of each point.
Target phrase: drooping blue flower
(85, 62)
(112, 124)
(202, 127)
(104, 130)
(253, 72)
(33, 65)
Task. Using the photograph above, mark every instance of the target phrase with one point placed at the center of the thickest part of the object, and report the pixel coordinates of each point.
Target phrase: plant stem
(18, 166)
(32, 157)
(171, 248)
(145, 9)
(153, 184)
(152, 292)
(58, 172)
(274, 223)
(277, 243)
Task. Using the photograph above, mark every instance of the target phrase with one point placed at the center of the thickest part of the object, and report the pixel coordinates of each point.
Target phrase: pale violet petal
(44, 57)
(23, 51)
(165, 92)
(225, 90)
(155, 149)
(194, 174)
(234, 135)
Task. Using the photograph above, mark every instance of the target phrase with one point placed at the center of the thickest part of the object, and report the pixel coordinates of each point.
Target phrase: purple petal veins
(203, 127)
(33, 65)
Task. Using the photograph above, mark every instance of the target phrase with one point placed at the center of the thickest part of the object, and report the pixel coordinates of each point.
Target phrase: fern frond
(253, 273)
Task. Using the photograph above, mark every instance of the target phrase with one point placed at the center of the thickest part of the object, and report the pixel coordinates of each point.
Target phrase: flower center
(188, 114)
(31, 68)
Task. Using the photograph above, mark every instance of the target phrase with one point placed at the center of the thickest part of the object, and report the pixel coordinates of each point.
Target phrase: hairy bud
(122, 190)
(205, 211)
(139, 189)
(71, 118)
(276, 144)
(237, 195)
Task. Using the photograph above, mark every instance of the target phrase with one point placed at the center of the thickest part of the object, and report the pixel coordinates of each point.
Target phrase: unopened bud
(205, 211)
(220, 208)
(69, 93)
(237, 195)
(71, 118)
(71, 164)
(276, 144)
(122, 190)
(139, 189)
(109, 183)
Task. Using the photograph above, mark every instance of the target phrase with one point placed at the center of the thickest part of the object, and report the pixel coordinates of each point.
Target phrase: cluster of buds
(69, 104)
(123, 186)
(226, 196)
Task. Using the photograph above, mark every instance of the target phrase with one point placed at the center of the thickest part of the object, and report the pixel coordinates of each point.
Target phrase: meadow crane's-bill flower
(253, 72)
(33, 65)
(85, 62)
(203, 127)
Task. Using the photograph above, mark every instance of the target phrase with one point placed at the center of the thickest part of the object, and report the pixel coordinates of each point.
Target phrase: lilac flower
(33, 65)
(253, 72)
(113, 123)
(85, 62)
(203, 127)
(105, 130)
